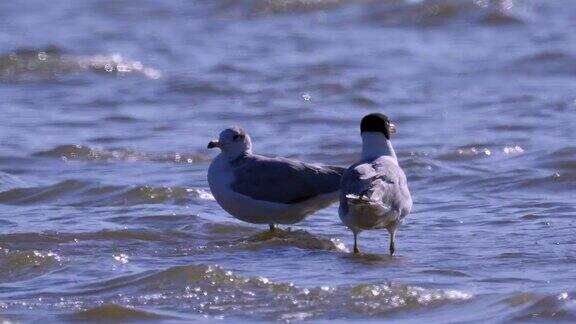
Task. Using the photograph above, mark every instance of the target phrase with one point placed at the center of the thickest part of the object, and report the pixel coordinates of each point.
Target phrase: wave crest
(88, 153)
(34, 63)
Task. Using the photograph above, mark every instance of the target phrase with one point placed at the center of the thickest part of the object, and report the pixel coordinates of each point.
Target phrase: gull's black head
(378, 123)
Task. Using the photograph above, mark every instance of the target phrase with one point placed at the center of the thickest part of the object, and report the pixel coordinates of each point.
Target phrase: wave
(445, 272)
(86, 153)
(384, 12)
(542, 307)
(553, 170)
(212, 290)
(440, 12)
(114, 312)
(40, 63)
(62, 237)
(85, 194)
(264, 7)
(256, 8)
(546, 62)
(51, 238)
(8, 181)
(478, 151)
(562, 161)
(23, 265)
(168, 228)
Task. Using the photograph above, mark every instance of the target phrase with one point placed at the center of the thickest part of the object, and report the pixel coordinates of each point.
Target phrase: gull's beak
(213, 144)
(392, 128)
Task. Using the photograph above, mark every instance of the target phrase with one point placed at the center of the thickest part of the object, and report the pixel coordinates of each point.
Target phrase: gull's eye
(237, 137)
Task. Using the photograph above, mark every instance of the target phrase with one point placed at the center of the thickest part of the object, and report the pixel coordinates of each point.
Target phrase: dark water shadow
(114, 312)
(372, 258)
(281, 238)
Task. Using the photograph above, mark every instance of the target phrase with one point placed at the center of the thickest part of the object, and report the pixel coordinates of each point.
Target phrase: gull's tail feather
(363, 205)
(352, 198)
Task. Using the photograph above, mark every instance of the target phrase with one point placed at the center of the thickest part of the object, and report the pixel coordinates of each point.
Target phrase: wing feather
(283, 180)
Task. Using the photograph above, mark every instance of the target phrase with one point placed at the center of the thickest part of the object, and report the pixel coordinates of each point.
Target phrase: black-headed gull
(375, 192)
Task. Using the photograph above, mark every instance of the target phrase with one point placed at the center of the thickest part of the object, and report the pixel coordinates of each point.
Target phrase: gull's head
(375, 131)
(377, 123)
(233, 141)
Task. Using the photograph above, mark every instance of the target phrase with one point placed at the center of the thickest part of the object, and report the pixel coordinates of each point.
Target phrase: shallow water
(105, 212)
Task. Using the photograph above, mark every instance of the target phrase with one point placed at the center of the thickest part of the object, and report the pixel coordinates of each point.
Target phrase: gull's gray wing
(381, 181)
(283, 180)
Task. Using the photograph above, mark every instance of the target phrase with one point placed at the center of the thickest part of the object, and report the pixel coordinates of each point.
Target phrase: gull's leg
(272, 227)
(392, 241)
(356, 250)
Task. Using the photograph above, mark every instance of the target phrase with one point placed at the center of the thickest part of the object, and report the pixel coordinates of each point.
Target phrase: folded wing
(380, 185)
(283, 180)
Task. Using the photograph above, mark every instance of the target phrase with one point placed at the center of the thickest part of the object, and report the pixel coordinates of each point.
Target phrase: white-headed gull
(266, 190)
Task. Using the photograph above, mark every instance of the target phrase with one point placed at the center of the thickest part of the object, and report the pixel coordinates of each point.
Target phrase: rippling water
(107, 106)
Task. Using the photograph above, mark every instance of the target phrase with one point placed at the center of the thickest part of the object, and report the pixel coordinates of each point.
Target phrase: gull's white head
(375, 130)
(233, 142)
